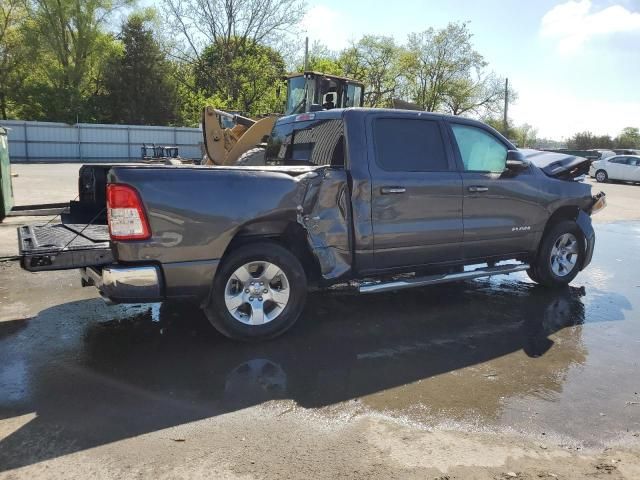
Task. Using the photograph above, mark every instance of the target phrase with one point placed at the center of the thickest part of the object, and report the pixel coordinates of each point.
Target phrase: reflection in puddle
(257, 379)
(493, 351)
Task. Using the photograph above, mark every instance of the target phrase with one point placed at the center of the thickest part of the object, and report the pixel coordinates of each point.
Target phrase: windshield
(296, 93)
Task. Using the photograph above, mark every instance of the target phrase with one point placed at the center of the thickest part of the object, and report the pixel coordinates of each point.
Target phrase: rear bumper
(190, 281)
(120, 284)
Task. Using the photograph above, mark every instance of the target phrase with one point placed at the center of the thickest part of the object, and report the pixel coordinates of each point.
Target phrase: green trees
(138, 82)
(68, 40)
(440, 63)
(68, 60)
(628, 138)
(375, 61)
(525, 136)
(63, 60)
(230, 49)
(244, 80)
(446, 73)
(13, 53)
(52, 53)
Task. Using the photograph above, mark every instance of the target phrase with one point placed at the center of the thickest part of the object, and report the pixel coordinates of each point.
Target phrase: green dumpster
(6, 191)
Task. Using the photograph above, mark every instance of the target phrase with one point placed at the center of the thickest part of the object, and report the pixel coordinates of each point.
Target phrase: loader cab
(313, 91)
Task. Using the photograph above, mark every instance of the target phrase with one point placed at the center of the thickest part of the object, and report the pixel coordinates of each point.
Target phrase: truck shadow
(94, 382)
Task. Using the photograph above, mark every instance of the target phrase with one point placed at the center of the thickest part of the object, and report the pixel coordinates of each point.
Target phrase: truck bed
(64, 246)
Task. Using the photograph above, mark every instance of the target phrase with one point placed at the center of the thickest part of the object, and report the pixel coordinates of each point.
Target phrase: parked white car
(619, 167)
(603, 154)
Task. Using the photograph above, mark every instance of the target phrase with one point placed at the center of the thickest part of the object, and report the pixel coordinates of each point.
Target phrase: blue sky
(575, 64)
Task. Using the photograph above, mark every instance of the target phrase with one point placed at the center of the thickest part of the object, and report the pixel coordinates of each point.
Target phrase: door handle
(478, 188)
(392, 190)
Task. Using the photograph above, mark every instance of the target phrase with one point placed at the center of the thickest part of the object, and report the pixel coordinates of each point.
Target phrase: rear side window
(318, 143)
(480, 151)
(409, 145)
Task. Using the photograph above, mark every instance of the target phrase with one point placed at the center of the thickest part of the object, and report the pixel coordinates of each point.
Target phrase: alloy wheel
(257, 293)
(564, 255)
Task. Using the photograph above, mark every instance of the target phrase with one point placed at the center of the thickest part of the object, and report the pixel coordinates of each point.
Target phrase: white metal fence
(47, 142)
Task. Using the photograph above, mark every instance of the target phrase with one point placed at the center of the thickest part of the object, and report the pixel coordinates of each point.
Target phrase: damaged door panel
(326, 217)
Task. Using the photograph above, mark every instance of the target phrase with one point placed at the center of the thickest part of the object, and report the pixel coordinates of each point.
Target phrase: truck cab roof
(338, 113)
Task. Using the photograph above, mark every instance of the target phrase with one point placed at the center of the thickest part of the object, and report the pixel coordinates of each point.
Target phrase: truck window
(312, 143)
(409, 145)
(480, 151)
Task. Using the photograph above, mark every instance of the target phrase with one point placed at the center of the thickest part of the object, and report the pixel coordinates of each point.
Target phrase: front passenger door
(501, 209)
(616, 168)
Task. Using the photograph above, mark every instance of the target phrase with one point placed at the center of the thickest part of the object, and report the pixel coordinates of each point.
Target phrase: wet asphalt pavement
(485, 355)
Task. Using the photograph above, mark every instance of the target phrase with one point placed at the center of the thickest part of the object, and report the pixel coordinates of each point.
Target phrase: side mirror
(516, 161)
(278, 91)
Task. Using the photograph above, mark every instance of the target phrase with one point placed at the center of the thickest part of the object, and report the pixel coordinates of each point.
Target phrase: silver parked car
(619, 167)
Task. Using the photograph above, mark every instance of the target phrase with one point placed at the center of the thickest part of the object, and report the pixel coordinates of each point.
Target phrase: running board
(376, 287)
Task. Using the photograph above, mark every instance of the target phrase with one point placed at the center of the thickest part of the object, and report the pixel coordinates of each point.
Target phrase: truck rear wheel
(560, 255)
(258, 292)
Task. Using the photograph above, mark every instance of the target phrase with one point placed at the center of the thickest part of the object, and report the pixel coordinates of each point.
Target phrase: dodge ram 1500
(367, 199)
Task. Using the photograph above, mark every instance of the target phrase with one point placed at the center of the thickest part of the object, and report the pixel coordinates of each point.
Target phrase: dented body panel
(191, 234)
(326, 217)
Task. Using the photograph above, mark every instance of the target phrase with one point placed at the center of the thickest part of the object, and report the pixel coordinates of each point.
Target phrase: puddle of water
(488, 353)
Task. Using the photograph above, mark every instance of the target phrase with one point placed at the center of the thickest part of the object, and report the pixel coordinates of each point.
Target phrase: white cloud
(573, 23)
(557, 114)
(327, 26)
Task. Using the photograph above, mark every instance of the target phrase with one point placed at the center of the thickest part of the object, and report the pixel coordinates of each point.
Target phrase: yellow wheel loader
(243, 141)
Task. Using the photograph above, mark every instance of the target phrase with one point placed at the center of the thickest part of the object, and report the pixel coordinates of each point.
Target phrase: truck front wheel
(258, 292)
(560, 255)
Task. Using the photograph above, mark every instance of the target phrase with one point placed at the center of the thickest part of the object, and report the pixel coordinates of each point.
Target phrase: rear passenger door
(416, 192)
(501, 211)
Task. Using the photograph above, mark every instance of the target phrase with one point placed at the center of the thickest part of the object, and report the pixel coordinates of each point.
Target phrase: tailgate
(64, 246)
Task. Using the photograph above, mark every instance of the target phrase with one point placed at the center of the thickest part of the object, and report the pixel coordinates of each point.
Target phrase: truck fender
(584, 222)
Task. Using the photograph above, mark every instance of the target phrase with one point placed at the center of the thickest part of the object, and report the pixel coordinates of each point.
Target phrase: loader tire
(252, 158)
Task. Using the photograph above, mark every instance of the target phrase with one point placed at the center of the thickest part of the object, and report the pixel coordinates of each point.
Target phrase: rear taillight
(127, 220)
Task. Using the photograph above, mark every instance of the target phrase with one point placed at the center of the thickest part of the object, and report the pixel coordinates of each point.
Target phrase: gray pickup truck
(363, 199)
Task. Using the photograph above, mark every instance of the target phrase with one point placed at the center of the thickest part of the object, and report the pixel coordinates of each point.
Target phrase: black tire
(533, 274)
(602, 176)
(541, 270)
(253, 157)
(221, 318)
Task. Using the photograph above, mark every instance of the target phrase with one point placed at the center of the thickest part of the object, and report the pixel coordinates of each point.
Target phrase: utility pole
(505, 120)
(306, 54)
